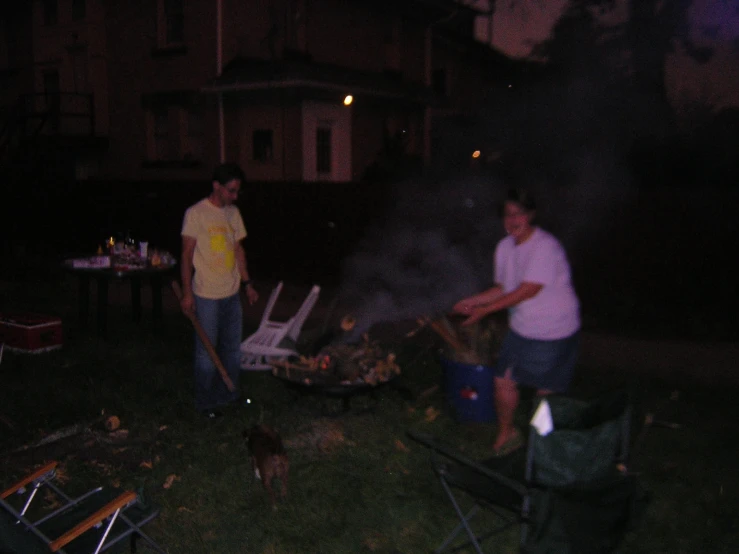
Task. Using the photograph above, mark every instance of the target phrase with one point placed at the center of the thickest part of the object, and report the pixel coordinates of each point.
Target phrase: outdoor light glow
(476, 154)
(348, 99)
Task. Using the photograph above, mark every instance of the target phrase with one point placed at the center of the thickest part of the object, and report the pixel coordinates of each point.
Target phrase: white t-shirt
(554, 313)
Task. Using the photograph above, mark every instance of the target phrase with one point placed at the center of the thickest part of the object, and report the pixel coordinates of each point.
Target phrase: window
(295, 26)
(52, 98)
(170, 22)
(175, 21)
(79, 9)
(80, 71)
(323, 149)
(175, 130)
(162, 148)
(262, 145)
(193, 147)
(51, 12)
(393, 45)
(439, 81)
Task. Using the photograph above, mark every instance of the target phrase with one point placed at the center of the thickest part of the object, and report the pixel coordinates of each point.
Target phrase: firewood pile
(475, 344)
(366, 363)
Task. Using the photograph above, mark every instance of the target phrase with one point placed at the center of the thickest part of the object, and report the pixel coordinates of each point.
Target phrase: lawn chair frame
(103, 518)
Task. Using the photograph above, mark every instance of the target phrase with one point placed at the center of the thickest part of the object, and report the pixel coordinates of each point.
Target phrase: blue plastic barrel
(470, 390)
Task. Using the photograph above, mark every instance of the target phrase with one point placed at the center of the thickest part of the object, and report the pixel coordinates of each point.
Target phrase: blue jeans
(221, 320)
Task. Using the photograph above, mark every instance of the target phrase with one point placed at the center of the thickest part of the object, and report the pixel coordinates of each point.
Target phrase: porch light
(476, 154)
(348, 99)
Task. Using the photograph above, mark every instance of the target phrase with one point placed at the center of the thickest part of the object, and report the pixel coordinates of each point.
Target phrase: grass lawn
(365, 488)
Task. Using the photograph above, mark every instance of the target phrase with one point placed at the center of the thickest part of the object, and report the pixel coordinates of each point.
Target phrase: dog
(268, 459)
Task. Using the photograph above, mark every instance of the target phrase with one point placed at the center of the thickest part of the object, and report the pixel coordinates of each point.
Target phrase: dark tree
(636, 49)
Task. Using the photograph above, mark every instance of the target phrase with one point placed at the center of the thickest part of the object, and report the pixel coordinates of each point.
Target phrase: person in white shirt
(533, 282)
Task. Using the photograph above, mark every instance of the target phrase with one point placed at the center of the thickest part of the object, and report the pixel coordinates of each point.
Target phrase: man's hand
(475, 314)
(251, 294)
(463, 307)
(187, 303)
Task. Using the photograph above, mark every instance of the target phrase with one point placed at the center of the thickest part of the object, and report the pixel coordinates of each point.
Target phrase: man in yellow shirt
(213, 270)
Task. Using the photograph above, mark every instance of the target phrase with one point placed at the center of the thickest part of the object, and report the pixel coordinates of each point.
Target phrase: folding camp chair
(568, 489)
(36, 516)
(275, 340)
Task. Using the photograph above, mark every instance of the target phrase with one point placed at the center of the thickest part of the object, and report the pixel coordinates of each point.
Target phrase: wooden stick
(413, 332)
(444, 333)
(60, 434)
(288, 366)
(205, 340)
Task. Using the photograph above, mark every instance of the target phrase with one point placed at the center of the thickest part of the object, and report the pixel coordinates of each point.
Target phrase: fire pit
(347, 366)
(341, 370)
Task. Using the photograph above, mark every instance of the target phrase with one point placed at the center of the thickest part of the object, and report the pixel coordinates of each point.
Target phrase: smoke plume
(564, 141)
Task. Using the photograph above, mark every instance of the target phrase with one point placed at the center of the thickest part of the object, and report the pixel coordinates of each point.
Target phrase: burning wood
(447, 334)
(342, 364)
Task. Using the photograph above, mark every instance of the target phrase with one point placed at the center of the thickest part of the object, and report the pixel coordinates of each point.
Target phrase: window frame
(175, 134)
(50, 12)
(79, 10)
(192, 147)
(324, 154)
(263, 153)
(161, 145)
(166, 18)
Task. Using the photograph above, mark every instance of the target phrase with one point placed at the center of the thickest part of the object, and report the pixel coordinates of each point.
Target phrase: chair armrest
(48, 468)
(121, 501)
(431, 442)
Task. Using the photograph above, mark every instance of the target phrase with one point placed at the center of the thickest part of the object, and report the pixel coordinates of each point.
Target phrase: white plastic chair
(262, 347)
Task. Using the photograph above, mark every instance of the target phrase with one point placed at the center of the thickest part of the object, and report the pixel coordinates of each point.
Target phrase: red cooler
(30, 333)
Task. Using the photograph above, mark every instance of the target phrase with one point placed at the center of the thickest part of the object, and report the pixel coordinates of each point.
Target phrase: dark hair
(520, 197)
(228, 172)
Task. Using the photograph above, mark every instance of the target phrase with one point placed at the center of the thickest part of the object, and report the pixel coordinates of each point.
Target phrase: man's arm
(188, 251)
(251, 293)
(240, 254)
(465, 305)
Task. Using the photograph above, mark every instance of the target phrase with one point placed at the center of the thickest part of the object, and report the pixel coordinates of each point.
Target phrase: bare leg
(506, 402)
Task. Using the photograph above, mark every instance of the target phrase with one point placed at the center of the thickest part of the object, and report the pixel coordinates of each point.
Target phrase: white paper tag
(542, 420)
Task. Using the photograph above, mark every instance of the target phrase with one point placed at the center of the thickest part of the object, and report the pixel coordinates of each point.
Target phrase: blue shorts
(542, 364)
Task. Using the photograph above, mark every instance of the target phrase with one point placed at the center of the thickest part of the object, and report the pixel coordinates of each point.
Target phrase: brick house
(158, 90)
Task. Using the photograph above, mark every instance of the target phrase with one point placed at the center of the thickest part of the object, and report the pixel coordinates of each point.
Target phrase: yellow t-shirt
(217, 232)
